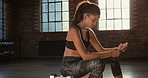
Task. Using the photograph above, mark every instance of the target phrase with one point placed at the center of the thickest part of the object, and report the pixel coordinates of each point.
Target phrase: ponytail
(85, 7)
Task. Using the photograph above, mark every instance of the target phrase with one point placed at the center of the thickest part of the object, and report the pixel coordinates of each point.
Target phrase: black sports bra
(70, 44)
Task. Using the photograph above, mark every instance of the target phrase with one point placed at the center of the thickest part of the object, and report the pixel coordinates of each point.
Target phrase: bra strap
(80, 32)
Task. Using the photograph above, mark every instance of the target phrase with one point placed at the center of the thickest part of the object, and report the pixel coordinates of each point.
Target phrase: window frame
(56, 21)
(2, 28)
(114, 19)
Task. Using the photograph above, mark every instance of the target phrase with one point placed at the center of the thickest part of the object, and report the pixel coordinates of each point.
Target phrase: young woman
(77, 61)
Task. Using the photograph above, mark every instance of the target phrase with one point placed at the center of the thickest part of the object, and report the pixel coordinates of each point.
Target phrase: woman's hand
(115, 52)
(122, 47)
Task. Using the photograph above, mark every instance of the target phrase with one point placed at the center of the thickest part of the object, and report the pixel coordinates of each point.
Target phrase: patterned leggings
(76, 67)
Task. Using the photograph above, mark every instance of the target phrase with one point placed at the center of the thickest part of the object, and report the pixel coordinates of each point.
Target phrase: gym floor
(42, 68)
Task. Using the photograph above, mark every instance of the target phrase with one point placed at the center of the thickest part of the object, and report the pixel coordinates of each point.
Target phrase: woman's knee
(97, 63)
(98, 68)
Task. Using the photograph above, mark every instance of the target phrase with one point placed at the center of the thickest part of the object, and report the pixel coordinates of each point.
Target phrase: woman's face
(91, 20)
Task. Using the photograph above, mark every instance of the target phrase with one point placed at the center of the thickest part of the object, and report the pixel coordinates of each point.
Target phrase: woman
(77, 61)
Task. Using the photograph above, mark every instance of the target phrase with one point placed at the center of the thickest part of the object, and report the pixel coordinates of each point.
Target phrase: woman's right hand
(115, 52)
(123, 47)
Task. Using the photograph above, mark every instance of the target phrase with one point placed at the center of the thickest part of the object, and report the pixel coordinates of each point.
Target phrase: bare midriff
(69, 52)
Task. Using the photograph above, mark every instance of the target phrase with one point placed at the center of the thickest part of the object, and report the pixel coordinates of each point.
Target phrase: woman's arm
(97, 45)
(74, 33)
(95, 42)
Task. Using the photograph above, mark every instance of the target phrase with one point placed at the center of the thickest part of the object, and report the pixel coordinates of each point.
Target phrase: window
(115, 15)
(55, 15)
(1, 20)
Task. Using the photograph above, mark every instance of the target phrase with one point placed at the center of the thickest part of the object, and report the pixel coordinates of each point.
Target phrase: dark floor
(42, 68)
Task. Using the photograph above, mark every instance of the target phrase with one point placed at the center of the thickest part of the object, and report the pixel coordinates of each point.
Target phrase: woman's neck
(81, 25)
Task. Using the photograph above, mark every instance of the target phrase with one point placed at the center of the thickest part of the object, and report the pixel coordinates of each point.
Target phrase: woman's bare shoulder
(73, 29)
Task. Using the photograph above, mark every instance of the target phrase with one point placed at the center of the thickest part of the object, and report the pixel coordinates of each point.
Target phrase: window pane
(1, 24)
(55, 15)
(58, 16)
(51, 7)
(51, 27)
(125, 24)
(102, 4)
(1, 13)
(58, 6)
(102, 24)
(117, 3)
(44, 0)
(65, 6)
(117, 24)
(45, 7)
(110, 14)
(65, 26)
(45, 17)
(109, 3)
(57, 0)
(51, 0)
(125, 3)
(117, 13)
(65, 16)
(125, 13)
(110, 25)
(59, 26)
(51, 16)
(103, 14)
(45, 27)
(1, 34)
(1, 5)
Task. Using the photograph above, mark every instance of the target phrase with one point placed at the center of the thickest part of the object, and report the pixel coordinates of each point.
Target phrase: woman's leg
(115, 67)
(78, 69)
(98, 68)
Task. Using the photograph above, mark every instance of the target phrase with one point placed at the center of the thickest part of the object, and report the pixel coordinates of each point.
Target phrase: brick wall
(23, 26)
